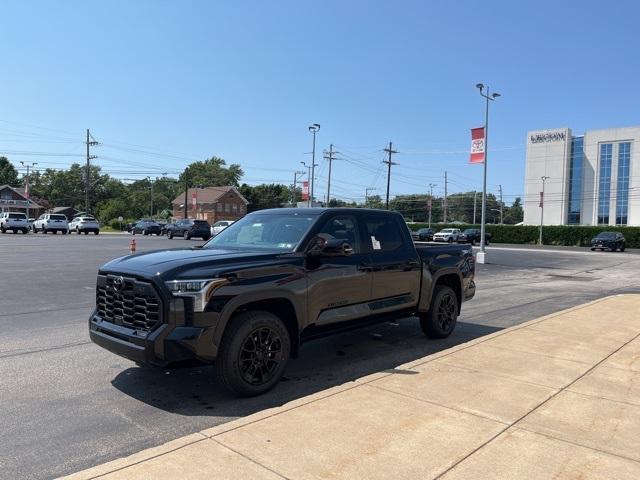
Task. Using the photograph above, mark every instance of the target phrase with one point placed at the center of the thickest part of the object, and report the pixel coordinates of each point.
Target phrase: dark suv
(189, 228)
(146, 227)
(609, 240)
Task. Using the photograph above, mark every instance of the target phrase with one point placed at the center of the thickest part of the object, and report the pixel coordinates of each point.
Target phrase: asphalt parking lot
(66, 404)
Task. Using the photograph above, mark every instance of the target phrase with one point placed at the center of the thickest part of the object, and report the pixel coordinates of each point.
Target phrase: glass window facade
(622, 188)
(575, 180)
(604, 196)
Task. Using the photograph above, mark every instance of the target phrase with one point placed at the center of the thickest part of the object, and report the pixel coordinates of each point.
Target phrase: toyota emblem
(118, 283)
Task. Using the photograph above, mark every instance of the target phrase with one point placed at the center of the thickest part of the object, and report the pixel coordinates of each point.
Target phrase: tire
(25, 231)
(64, 232)
(77, 231)
(593, 249)
(170, 235)
(86, 232)
(242, 331)
(622, 248)
(486, 242)
(145, 233)
(473, 242)
(97, 232)
(450, 240)
(441, 318)
(44, 230)
(186, 236)
(4, 230)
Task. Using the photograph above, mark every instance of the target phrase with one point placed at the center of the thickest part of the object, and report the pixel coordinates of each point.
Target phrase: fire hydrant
(132, 246)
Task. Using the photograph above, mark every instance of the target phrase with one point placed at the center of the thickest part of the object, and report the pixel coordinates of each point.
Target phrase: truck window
(384, 233)
(344, 228)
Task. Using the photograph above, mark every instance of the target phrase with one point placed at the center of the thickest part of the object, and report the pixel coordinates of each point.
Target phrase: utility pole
(330, 155)
(313, 129)
(431, 185)
(501, 218)
(475, 199)
(390, 151)
(544, 179)
(366, 195)
(90, 143)
(444, 204)
(295, 186)
(308, 183)
(26, 182)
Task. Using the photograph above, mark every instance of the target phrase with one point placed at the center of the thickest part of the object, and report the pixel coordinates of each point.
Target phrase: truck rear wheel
(253, 353)
(441, 318)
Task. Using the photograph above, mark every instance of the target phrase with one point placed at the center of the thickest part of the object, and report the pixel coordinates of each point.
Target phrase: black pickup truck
(247, 299)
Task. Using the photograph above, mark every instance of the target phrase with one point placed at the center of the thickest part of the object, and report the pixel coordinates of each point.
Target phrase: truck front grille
(128, 302)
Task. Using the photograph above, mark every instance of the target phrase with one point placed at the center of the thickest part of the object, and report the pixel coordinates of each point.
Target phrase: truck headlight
(200, 290)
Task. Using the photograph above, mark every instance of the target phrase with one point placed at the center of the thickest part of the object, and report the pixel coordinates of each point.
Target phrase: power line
(389, 151)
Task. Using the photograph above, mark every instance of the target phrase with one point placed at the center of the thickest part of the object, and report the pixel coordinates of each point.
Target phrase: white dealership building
(589, 179)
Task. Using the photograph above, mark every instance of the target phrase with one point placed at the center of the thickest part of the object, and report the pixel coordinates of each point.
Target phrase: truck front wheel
(253, 353)
(441, 318)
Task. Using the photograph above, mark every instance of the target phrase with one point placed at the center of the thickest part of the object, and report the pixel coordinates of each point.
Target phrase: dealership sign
(13, 202)
(547, 137)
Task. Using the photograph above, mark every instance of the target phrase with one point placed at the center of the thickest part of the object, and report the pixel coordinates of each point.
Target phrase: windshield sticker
(375, 243)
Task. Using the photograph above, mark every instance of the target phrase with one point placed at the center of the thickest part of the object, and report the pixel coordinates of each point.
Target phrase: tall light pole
(475, 199)
(313, 129)
(480, 258)
(308, 167)
(26, 183)
(544, 178)
(295, 185)
(431, 185)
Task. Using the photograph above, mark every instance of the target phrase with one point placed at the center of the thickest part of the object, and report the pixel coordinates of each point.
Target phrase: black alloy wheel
(259, 356)
(253, 354)
(185, 235)
(170, 234)
(442, 316)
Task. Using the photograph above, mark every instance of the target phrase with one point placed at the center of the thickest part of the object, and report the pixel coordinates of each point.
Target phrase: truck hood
(185, 263)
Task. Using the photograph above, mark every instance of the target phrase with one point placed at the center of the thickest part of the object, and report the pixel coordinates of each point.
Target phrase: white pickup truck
(16, 222)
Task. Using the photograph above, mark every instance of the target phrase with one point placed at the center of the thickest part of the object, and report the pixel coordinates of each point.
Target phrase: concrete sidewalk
(557, 397)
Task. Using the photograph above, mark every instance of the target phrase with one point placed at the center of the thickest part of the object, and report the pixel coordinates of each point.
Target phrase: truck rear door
(396, 265)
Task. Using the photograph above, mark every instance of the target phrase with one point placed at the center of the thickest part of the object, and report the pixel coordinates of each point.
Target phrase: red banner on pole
(541, 199)
(194, 200)
(477, 145)
(305, 190)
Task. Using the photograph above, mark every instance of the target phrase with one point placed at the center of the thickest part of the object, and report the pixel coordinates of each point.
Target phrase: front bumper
(167, 343)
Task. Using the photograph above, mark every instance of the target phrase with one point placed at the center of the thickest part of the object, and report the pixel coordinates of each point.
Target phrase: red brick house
(211, 204)
(13, 199)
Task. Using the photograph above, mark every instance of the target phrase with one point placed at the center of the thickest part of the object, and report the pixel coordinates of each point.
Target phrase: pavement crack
(48, 349)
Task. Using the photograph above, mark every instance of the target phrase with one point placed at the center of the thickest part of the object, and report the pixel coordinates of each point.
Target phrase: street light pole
(480, 258)
(313, 129)
(544, 178)
(26, 183)
(431, 185)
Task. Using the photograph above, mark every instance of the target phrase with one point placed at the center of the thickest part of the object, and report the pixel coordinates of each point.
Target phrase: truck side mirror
(328, 246)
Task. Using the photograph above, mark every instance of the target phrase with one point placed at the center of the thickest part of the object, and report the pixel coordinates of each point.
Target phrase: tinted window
(200, 222)
(343, 228)
(384, 234)
(57, 217)
(21, 216)
(606, 236)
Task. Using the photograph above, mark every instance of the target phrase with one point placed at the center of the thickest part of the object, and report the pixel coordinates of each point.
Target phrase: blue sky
(243, 80)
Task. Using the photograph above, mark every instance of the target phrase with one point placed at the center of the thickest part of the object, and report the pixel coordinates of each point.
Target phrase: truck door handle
(411, 263)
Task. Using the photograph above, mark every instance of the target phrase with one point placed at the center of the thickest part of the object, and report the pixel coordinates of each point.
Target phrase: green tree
(514, 214)
(212, 172)
(263, 196)
(8, 173)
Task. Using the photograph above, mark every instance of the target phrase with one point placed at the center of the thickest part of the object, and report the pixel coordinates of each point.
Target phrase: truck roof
(320, 210)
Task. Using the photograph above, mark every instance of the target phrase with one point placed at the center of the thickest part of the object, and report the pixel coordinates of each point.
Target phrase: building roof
(208, 194)
(20, 191)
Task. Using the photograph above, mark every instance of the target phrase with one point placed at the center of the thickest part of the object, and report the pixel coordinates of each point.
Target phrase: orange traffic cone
(132, 246)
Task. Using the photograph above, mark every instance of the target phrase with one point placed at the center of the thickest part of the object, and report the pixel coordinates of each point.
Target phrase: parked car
(219, 226)
(422, 235)
(190, 228)
(84, 225)
(473, 235)
(16, 222)
(146, 227)
(609, 240)
(163, 227)
(51, 222)
(447, 235)
(271, 281)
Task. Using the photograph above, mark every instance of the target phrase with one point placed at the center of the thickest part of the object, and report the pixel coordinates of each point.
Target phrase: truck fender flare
(425, 300)
(251, 297)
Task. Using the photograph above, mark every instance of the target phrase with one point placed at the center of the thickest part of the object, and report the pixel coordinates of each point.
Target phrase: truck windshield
(281, 232)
